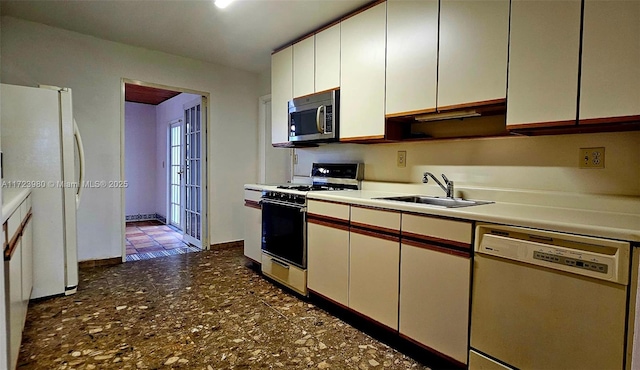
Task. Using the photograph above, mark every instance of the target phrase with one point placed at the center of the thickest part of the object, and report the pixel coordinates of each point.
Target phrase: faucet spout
(448, 188)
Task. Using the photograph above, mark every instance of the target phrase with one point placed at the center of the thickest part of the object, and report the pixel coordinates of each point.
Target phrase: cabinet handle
(280, 263)
(319, 125)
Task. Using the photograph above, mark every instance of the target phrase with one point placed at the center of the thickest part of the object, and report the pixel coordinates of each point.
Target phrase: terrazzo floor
(192, 311)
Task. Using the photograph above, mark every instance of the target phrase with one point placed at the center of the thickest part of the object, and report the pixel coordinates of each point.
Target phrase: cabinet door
(434, 299)
(253, 225)
(412, 56)
(610, 77)
(474, 39)
(328, 58)
(362, 76)
(281, 93)
(303, 67)
(15, 307)
(373, 277)
(328, 261)
(27, 263)
(543, 62)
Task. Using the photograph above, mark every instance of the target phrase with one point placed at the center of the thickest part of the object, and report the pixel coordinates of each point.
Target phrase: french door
(187, 172)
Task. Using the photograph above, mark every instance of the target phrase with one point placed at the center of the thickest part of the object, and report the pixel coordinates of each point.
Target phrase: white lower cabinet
(13, 274)
(252, 225)
(328, 260)
(434, 299)
(373, 276)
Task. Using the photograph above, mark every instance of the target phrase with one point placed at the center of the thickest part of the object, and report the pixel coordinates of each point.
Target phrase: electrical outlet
(592, 157)
(401, 160)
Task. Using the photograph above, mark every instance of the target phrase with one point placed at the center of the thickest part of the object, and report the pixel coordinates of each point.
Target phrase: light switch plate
(401, 160)
(592, 157)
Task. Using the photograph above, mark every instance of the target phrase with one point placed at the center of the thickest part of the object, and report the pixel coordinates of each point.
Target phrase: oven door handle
(281, 264)
(283, 204)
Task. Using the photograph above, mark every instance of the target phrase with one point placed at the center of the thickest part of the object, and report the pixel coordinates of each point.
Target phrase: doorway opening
(164, 166)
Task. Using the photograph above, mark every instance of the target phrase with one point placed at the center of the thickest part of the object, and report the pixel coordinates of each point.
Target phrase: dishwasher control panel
(598, 258)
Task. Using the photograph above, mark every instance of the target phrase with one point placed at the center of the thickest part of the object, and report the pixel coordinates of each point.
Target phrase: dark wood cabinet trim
(375, 208)
(541, 124)
(374, 234)
(328, 201)
(252, 204)
(411, 113)
(478, 104)
(620, 119)
(431, 239)
(331, 222)
(363, 139)
(436, 248)
(11, 245)
(319, 92)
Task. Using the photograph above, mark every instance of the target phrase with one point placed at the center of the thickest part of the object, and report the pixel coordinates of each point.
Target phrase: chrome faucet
(447, 189)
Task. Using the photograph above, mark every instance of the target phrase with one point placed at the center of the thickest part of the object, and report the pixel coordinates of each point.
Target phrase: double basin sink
(436, 201)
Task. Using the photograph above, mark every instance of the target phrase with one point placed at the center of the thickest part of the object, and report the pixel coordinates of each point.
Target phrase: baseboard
(97, 263)
(227, 245)
(146, 217)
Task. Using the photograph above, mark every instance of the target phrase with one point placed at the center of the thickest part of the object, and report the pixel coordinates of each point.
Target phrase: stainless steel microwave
(314, 118)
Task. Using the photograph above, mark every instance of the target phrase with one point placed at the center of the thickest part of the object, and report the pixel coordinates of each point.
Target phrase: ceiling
(243, 35)
(147, 95)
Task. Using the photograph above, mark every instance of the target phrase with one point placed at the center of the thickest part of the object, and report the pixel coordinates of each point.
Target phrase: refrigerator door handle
(76, 134)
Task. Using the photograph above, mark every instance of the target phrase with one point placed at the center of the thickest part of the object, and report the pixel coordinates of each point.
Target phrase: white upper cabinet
(412, 56)
(327, 58)
(362, 76)
(281, 93)
(303, 67)
(543, 62)
(610, 79)
(474, 39)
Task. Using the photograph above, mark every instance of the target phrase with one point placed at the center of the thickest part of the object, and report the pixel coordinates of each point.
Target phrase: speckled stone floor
(193, 311)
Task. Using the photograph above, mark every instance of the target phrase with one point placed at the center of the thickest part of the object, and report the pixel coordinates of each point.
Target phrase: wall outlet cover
(592, 157)
(401, 159)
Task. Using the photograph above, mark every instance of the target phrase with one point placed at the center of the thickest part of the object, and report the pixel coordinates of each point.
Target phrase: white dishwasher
(546, 300)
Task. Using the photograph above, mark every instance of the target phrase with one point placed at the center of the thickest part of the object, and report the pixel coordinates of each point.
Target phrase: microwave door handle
(320, 124)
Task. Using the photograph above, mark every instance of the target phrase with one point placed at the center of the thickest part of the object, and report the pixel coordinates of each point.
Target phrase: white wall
(37, 54)
(166, 112)
(534, 163)
(140, 158)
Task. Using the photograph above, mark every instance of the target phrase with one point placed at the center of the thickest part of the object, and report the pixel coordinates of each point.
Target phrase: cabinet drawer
(252, 195)
(290, 275)
(13, 223)
(375, 218)
(420, 226)
(328, 209)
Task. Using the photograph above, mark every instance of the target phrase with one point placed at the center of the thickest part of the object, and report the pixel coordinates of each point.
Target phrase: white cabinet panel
(457, 231)
(334, 210)
(373, 278)
(362, 78)
(27, 264)
(281, 93)
(13, 271)
(303, 67)
(474, 39)
(543, 62)
(412, 56)
(610, 79)
(434, 300)
(252, 226)
(328, 262)
(374, 217)
(327, 57)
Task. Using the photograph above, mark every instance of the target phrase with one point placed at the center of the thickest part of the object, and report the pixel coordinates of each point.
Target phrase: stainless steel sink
(437, 201)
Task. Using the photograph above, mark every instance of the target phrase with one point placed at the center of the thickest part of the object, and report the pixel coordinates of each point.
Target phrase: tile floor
(150, 239)
(193, 311)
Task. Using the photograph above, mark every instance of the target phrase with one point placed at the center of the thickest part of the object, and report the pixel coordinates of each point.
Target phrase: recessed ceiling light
(223, 3)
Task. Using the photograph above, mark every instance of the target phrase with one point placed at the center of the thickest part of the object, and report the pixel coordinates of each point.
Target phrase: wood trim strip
(436, 248)
(357, 139)
(252, 204)
(97, 263)
(433, 351)
(410, 113)
(315, 93)
(374, 234)
(431, 239)
(619, 119)
(376, 208)
(541, 124)
(477, 104)
(11, 247)
(376, 229)
(362, 9)
(5, 242)
(328, 201)
(320, 295)
(331, 222)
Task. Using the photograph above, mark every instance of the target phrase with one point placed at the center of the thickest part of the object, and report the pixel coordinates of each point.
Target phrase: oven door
(284, 231)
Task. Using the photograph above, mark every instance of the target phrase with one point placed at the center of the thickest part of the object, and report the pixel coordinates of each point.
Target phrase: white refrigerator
(41, 146)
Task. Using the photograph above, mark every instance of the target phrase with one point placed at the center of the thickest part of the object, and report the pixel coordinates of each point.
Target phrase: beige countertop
(605, 224)
(11, 199)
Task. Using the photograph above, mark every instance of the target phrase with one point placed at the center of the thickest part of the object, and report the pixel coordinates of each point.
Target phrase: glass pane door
(193, 175)
(176, 170)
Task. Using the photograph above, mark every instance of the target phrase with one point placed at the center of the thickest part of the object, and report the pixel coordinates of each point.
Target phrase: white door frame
(205, 193)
